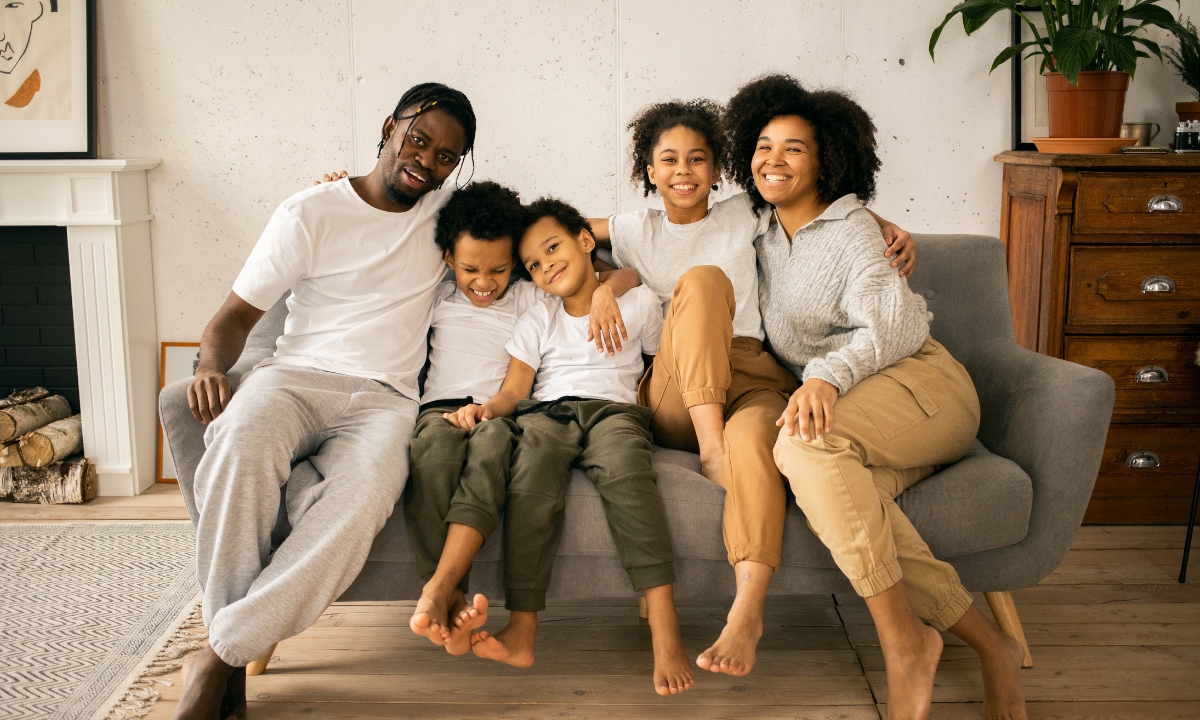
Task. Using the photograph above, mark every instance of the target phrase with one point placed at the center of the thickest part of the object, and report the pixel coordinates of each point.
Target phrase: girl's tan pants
(699, 361)
(889, 432)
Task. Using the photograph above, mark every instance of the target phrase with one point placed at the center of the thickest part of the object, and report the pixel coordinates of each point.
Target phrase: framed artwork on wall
(1030, 113)
(177, 362)
(47, 79)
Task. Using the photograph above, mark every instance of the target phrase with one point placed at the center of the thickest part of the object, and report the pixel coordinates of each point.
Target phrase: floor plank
(160, 502)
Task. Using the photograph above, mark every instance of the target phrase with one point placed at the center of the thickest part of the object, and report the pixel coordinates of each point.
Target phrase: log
(20, 419)
(5, 482)
(20, 397)
(10, 456)
(67, 482)
(53, 442)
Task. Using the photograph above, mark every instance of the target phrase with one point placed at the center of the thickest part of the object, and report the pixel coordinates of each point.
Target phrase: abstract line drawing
(17, 33)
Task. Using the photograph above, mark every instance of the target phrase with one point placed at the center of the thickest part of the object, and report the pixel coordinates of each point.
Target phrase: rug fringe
(141, 695)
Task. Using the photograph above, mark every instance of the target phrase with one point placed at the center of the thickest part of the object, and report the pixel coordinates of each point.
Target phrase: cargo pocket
(903, 400)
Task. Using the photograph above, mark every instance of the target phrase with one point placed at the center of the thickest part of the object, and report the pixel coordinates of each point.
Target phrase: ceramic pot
(1093, 109)
(1188, 111)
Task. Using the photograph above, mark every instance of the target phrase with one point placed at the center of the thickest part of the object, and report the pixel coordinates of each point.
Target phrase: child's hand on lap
(605, 325)
(468, 416)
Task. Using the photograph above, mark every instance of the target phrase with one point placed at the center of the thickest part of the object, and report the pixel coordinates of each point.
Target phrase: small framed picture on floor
(177, 362)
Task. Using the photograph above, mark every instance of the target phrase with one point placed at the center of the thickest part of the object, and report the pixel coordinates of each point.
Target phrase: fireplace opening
(37, 332)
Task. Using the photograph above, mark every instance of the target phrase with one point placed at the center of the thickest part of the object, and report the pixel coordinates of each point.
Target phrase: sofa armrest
(1051, 417)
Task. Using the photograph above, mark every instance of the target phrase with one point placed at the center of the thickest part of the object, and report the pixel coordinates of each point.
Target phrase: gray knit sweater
(832, 306)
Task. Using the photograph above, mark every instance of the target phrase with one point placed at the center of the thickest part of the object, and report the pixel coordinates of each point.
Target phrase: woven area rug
(81, 606)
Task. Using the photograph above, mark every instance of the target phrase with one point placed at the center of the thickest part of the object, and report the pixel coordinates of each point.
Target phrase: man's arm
(518, 380)
(220, 347)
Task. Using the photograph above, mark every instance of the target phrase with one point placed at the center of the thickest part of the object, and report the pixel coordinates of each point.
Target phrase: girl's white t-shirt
(662, 251)
(555, 344)
(467, 355)
(362, 282)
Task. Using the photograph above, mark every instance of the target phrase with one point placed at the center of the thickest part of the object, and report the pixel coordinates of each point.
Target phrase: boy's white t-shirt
(555, 344)
(467, 355)
(362, 282)
(662, 251)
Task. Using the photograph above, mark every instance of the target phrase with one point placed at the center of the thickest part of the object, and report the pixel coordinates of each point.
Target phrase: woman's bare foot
(735, 650)
(206, 677)
(672, 669)
(465, 620)
(514, 645)
(1003, 698)
(438, 604)
(911, 668)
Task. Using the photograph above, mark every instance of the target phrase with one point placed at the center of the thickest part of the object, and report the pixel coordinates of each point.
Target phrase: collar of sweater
(839, 209)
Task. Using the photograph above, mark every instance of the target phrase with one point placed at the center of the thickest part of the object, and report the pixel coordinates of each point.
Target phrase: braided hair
(702, 116)
(454, 103)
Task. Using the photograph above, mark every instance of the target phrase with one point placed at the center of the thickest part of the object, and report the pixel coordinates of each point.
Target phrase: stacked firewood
(40, 450)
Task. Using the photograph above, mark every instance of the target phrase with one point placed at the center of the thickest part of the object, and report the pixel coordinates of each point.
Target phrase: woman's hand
(605, 325)
(468, 416)
(331, 177)
(814, 400)
(900, 244)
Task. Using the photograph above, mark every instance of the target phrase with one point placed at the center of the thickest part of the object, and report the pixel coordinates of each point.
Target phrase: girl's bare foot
(465, 620)
(438, 604)
(911, 668)
(206, 677)
(672, 669)
(514, 645)
(1003, 698)
(735, 650)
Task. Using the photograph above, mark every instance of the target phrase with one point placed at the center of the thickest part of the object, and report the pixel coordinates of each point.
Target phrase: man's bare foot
(233, 702)
(432, 618)
(466, 619)
(672, 669)
(514, 645)
(1003, 698)
(910, 673)
(734, 651)
(206, 677)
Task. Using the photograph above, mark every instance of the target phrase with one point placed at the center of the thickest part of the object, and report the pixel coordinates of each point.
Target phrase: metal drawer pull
(1142, 459)
(1151, 374)
(1158, 284)
(1165, 204)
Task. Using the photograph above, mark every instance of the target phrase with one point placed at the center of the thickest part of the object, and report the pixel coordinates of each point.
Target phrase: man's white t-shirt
(362, 282)
(555, 344)
(662, 251)
(467, 355)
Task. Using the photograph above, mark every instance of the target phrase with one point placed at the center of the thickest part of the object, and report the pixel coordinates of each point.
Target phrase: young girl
(712, 388)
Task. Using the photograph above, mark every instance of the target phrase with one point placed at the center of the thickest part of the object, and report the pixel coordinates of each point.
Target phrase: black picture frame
(1016, 38)
(93, 148)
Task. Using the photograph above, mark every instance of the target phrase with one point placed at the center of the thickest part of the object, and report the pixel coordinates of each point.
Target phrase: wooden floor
(161, 502)
(1113, 636)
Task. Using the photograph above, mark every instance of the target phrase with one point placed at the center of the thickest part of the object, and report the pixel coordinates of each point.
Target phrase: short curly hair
(484, 210)
(561, 212)
(703, 116)
(845, 135)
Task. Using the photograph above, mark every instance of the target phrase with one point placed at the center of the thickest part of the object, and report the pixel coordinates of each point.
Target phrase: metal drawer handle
(1165, 204)
(1151, 374)
(1158, 284)
(1142, 459)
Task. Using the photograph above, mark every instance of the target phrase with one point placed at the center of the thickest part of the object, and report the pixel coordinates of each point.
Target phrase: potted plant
(1089, 51)
(1186, 61)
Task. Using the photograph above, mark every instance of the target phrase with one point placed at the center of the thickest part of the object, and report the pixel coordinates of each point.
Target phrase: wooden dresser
(1104, 270)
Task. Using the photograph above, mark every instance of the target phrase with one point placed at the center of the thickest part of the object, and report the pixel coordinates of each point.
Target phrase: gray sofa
(1004, 515)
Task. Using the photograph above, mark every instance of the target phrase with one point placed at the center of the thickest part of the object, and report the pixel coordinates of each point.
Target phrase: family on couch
(584, 366)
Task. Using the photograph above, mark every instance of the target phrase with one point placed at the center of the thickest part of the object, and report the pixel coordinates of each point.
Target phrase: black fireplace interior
(37, 335)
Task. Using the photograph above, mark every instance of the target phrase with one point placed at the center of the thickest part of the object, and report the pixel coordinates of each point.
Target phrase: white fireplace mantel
(104, 206)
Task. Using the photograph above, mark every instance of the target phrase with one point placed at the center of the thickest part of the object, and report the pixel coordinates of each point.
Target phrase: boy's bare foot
(734, 651)
(910, 673)
(206, 678)
(432, 618)
(672, 669)
(514, 645)
(1003, 698)
(464, 621)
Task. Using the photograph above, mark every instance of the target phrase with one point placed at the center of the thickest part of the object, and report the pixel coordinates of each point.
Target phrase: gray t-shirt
(662, 251)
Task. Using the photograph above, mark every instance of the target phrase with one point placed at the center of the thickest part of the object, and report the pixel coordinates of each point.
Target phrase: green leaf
(1150, 14)
(1074, 49)
(1120, 50)
(1149, 45)
(974, 12)
(1008, 52)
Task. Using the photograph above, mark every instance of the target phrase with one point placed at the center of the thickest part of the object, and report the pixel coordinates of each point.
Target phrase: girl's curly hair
(844, 133)
(703, 116)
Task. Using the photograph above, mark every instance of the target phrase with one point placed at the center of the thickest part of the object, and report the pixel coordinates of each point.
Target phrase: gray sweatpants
(354, 434)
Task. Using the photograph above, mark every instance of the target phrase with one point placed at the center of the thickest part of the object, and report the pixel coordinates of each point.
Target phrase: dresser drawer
(1138, 203)
(1146, 475)
(1134, 285)
(1156, 376)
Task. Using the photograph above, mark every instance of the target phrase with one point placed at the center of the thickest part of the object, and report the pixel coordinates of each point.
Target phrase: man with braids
(339, 396)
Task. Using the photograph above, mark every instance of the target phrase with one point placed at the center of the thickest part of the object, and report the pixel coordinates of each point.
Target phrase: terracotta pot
(1188, 111)
(1093, 109)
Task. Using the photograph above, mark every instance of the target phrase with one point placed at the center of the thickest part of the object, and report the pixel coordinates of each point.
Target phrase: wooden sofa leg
(1005, 611)
(259, 666)
(643, 608)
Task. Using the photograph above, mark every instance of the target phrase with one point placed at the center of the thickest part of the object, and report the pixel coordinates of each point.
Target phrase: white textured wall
(247, 102)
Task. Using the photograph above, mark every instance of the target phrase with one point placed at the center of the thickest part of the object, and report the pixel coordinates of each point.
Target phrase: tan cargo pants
(889, 432)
